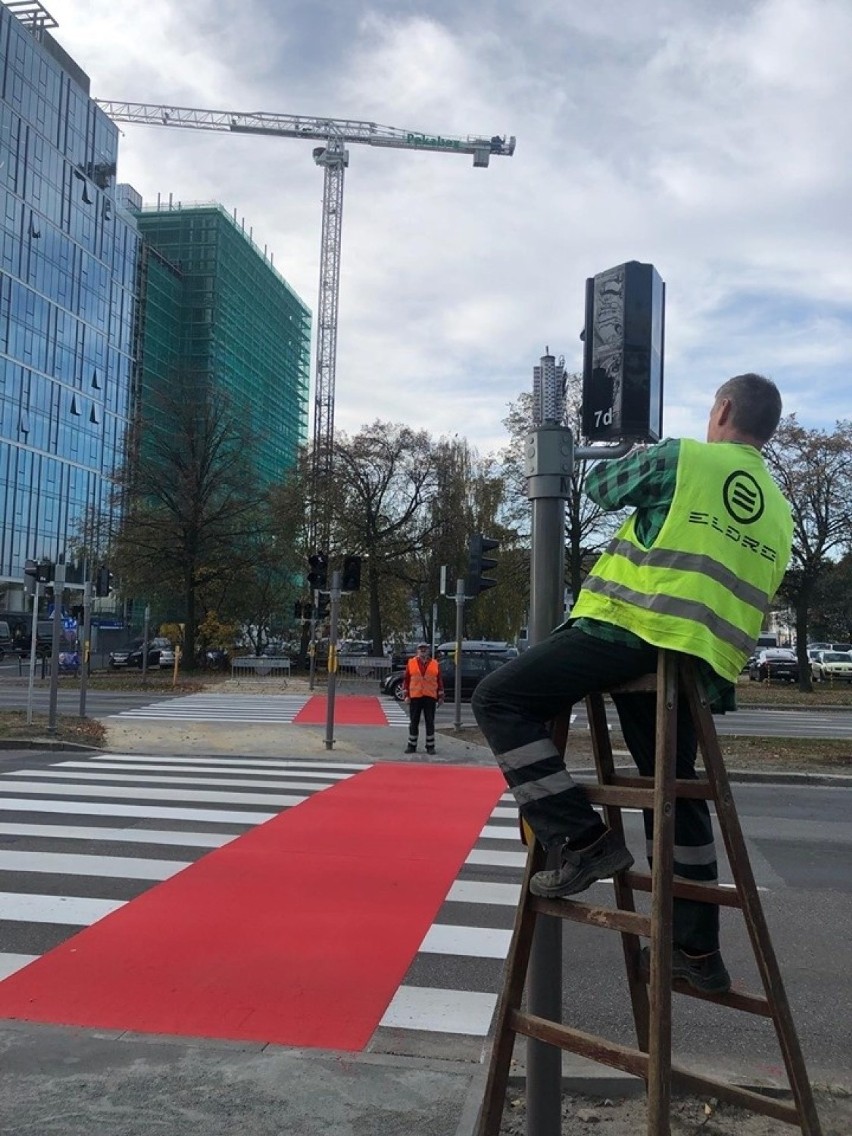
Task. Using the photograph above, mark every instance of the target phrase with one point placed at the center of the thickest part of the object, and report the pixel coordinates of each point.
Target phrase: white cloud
(711, 137)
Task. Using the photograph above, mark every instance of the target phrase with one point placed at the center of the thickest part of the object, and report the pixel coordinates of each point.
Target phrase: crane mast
(333, 158)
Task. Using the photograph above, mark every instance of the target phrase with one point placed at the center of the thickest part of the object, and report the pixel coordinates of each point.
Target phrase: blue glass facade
(68, 266)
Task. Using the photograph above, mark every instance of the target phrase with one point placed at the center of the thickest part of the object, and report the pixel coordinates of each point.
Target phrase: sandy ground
(689, 1117)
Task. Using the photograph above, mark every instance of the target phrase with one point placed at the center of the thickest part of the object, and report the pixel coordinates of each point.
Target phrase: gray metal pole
(58, 588)
(551, 447)
(460, 597)
(87, 624)
(312, 643)
(549, 465)
(334, 612)
(145, 642)
(33, 642)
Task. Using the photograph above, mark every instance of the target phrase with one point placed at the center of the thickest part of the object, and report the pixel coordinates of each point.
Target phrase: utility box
(623, 354)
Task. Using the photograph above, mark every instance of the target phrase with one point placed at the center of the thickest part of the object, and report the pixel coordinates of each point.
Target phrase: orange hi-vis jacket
(423, 682)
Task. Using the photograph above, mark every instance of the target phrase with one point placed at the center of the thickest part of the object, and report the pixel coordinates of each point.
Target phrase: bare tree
(587, 527)
(384, 480)
(814, 471)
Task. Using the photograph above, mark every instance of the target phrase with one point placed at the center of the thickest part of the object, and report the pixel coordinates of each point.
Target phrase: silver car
(833, 666)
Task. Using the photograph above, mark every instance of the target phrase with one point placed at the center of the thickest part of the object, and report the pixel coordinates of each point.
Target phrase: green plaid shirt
(645, 481)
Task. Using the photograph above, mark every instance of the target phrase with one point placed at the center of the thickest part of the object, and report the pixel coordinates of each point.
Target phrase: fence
(363, 666)
(260, 666)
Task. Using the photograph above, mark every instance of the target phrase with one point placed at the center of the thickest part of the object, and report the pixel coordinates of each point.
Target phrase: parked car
(161, 653)
(476, 663)
(44, 640)
(834, 666)
(774, 663)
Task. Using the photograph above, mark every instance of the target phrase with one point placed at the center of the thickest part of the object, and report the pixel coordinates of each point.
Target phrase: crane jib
(435, 140)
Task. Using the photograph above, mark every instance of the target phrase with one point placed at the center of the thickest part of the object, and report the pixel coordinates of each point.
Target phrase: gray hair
(755, 404)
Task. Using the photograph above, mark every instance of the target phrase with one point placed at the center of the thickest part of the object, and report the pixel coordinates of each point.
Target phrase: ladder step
(632, 923)
(686, 889)
(612, 918)
(634, 1061)
(638, 792)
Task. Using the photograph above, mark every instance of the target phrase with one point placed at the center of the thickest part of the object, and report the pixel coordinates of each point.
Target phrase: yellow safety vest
(704, 584)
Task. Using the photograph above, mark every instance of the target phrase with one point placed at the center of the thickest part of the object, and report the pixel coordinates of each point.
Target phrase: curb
(744, 776)
(46, 743)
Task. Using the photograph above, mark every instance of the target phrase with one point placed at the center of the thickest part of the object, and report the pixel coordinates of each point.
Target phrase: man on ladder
(693, 570)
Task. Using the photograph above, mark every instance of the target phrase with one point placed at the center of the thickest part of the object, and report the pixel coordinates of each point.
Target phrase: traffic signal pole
(334, 613)
(58, 589)
(550, 458)
(87, 631)
(460, 598)
(33, 641)
(548, 467)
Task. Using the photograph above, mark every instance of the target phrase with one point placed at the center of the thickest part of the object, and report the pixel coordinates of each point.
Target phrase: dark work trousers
(514, 706)
(426, 706)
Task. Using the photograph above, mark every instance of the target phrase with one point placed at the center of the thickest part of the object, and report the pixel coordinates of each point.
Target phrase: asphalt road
(800, 845)
(745, 722)
(800, 840)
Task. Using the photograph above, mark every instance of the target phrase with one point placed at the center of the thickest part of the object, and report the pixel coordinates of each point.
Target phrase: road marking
(9, 963)
(246, 763)
(119, 835)
(190, 765)
(469, 942)
(148, 812)
(148, 793)
(106, 867)
(497, 859)
(76, 911)
(483, 891)
(171, 779)
(440, 1011)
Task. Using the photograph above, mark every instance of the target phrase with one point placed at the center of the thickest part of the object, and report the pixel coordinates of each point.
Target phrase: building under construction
(214, 306)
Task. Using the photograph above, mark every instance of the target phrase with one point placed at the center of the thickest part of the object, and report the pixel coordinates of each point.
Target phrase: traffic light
(323, 602)
(478, 563)
(297, 609)
(45, 571)
(103, 581)
(318, 575)
(350, 580)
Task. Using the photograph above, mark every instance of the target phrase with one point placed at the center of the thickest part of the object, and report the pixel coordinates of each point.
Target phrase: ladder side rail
(511, 996)
(753, 914)
(660, 985)
(624, 898)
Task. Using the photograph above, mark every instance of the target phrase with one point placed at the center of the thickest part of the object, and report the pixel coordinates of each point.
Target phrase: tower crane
(333, 158)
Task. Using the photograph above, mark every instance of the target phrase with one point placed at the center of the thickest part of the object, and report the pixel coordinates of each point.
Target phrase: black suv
(476, 663)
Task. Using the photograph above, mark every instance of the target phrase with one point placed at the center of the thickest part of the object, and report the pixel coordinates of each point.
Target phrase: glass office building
(215, 307)
(69, 255)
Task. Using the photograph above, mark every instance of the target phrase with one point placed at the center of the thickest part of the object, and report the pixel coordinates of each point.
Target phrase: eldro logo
(743, 497)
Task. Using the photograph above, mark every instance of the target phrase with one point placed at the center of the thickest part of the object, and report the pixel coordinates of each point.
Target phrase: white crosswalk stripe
(221, 708)
(243, 708)
(78, 825)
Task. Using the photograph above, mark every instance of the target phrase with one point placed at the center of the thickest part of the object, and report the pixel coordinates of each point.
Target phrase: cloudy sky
(712, 138)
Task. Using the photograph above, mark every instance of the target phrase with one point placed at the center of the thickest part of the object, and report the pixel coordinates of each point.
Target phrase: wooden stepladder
(651, 998)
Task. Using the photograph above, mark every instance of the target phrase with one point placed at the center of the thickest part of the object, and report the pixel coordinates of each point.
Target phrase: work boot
(705, 973)
(578, 870)
(410, 748)
(430, 750)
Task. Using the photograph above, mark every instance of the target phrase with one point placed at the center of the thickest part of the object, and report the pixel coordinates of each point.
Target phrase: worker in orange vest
(424, 689)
